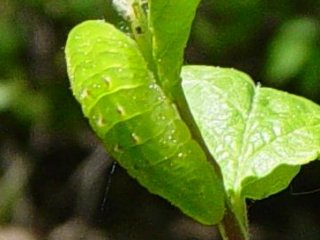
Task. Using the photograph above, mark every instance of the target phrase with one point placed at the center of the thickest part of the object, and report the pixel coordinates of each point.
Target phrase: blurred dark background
(57, 182)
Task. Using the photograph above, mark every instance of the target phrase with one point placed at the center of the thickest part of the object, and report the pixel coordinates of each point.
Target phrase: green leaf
(309, 85)
(170, 24)
(290, 50)
(138, 124)
(259, 136)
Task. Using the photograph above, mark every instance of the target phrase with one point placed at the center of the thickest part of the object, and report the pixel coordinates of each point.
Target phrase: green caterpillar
(137, 123)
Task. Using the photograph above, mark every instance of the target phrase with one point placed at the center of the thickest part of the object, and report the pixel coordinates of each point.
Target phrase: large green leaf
(259, 136)
(170, 24)
(139, 126)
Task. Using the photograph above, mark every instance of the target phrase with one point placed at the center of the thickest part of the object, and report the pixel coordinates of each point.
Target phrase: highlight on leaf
(124, 8)
(259, 136)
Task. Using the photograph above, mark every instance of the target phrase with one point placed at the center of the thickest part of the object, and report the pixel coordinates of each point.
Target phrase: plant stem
(141, 32)
(233, 226)
(240, 210)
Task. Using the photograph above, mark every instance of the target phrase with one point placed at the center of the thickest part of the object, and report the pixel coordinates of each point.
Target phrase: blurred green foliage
(276, 42)
(291, 49)
(42, 130)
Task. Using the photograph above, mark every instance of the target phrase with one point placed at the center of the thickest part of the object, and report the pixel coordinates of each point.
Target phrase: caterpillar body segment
(138, 125)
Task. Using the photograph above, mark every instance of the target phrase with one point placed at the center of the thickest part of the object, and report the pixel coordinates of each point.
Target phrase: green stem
(240, 209)
(142, 35)
(234, 225)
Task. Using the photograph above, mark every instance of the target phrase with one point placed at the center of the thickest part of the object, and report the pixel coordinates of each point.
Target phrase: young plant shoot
(204, 138)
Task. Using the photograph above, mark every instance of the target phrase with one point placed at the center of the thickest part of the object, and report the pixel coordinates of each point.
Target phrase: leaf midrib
(239, 162)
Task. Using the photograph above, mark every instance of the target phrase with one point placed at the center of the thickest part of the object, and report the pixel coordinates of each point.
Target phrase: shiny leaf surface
(259, 136)
(139, 126)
